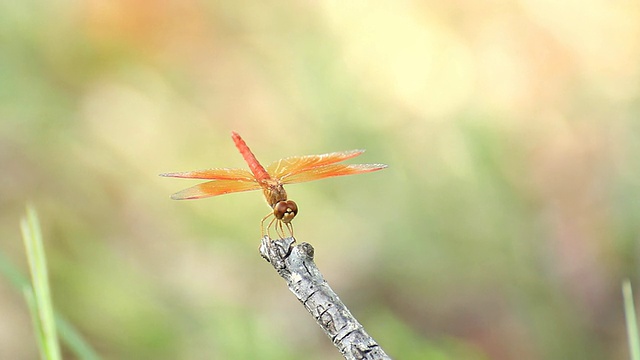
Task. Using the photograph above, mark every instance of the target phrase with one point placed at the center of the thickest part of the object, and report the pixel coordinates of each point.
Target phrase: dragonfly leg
(262, 228)
(290, 228)
(279, 227)
(269, 226)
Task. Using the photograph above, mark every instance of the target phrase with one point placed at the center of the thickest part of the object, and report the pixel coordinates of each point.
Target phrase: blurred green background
(502, 229)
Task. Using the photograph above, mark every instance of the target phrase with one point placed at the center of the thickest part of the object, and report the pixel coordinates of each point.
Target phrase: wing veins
(215, 188)
(215, 174)
(332, 170)
(296, 164)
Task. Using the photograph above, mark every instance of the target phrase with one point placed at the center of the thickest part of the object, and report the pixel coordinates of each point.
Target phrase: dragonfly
(271, 180)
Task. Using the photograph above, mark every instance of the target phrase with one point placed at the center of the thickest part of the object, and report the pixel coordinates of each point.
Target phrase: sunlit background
(502, 229)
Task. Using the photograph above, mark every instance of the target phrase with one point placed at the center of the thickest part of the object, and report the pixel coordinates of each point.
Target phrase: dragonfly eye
(285, 210)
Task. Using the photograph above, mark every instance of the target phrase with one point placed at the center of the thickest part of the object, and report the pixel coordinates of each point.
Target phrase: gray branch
(295, 265)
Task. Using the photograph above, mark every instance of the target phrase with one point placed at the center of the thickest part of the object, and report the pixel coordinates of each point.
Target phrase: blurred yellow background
(502, 229)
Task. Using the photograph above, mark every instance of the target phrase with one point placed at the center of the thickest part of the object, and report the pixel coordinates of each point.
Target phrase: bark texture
(294, 263)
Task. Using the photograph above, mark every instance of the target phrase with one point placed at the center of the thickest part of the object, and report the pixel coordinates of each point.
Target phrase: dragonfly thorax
(273, 192)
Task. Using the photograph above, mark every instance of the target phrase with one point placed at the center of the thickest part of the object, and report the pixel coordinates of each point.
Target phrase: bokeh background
(502, 229)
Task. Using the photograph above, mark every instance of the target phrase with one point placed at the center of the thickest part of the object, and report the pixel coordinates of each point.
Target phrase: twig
(295, 265)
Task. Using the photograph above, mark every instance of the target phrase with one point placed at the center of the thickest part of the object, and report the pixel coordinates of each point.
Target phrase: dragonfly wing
(214, 174)
(214, 188)
(296, 164)
(332, 170)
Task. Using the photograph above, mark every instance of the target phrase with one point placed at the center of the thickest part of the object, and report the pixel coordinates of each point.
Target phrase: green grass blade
(632, 323)
(75, 341)
(41, 299)
(68, 334)
(35, 319)
(13, 274)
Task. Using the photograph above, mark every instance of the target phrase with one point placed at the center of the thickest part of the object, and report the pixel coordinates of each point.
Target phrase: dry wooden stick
(295, 265)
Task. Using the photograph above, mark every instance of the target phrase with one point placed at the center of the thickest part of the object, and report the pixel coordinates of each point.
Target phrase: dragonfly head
(285, 210)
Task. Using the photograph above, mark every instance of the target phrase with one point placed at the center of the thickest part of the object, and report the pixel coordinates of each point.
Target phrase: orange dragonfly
(289, 170)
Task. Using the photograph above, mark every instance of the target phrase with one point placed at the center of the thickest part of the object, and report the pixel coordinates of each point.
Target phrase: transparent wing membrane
(214, 188)
(217, 174)
(296, 164)
(326, 171)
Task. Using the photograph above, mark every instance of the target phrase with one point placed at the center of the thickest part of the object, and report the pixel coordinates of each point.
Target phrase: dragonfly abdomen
(258, 171)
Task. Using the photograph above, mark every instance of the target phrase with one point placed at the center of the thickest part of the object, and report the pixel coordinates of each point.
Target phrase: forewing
(291, 166)
(214, 188)
(326, 171)
(214, 174)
